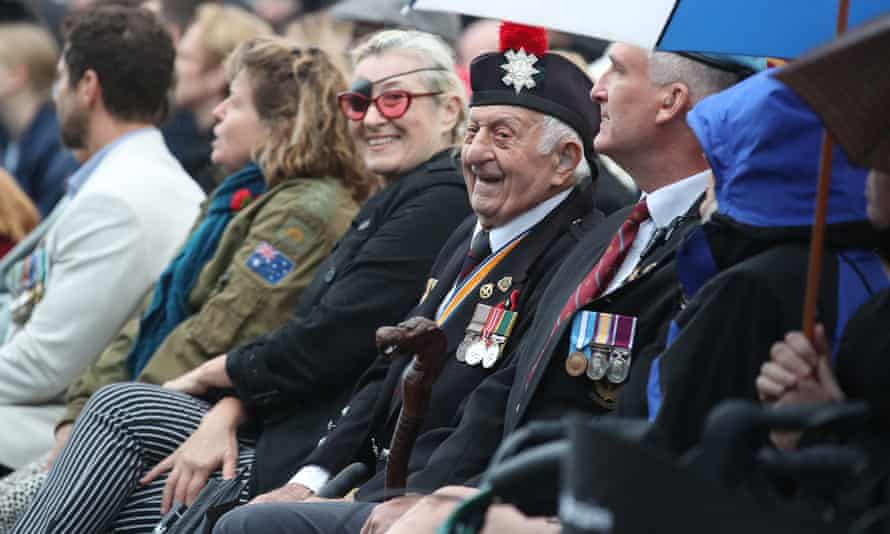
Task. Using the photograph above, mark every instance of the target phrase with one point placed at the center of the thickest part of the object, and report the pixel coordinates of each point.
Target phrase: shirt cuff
(311, 476)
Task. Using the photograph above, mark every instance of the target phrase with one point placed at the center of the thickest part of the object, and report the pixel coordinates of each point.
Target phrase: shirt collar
(79, 178)
(499, 237)
(674, 200)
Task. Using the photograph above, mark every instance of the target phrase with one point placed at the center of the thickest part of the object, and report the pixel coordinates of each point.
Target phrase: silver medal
(599, 364)
(476, 352)
(491, 355)
(461, 353)
(619, 366)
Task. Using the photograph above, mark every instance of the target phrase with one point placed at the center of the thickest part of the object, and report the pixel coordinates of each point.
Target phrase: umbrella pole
(814, 272)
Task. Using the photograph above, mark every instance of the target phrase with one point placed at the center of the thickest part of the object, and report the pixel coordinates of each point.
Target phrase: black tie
(480, 248)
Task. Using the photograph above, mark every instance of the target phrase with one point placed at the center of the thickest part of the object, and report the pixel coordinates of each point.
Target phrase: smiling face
(629, 102)
(392, 147)
(505, 172)
(239, 130)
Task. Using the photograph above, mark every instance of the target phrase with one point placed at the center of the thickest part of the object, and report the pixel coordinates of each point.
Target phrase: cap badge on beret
(521, 46)
(520, 69)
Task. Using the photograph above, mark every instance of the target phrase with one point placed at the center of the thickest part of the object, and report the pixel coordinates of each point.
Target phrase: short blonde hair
(32, 46)
(18, 216)
(432, 51)
(223, 28)
(295, 95)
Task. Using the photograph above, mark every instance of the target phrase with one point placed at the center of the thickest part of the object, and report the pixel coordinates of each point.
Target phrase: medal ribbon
(475, 278)
(491, 324)
(624, 335)
(605, 329)
(506, 324)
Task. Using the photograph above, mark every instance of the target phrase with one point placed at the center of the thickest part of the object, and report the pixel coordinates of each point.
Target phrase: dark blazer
(44, 164)
(372, 413)
(293, 379)
(535, 386)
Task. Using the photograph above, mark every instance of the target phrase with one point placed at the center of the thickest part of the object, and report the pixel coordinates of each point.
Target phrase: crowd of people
(211, 211)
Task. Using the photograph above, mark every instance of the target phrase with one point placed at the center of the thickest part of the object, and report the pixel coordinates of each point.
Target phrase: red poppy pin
(241, 198)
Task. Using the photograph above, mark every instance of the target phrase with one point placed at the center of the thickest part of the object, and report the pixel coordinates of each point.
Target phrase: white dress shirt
(665, 205)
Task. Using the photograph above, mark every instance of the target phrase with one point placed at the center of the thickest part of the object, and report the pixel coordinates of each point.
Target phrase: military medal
(476, 352)
(474, 331)
(498, 326)
(619, 366)
(601, 345)
(486, 291)
(579, 350)
(505, 283)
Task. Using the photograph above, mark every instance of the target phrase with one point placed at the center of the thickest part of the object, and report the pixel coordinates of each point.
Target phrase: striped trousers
(124, 430)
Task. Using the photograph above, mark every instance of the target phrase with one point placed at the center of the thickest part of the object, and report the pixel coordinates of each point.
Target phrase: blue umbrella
(774, 28)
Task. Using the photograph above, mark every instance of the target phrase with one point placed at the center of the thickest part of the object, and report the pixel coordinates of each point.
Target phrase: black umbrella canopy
(847, 82)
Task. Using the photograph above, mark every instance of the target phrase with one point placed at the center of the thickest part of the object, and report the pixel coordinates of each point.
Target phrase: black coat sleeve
(329, 347)
(726, 333)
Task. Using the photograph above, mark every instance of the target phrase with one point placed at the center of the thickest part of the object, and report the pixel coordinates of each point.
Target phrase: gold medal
(486, 291)
(576, 363)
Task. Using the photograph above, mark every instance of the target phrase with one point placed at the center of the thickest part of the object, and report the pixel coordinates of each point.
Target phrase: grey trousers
(296, 518)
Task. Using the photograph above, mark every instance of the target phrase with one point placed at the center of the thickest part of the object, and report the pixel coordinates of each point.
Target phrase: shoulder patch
(293, 235)
(269, 264)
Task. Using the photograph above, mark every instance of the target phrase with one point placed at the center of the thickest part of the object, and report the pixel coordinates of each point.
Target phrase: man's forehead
(624, 53)
(503, 113)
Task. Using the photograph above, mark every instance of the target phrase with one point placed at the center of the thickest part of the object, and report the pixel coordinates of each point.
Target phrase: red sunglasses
(391, 104)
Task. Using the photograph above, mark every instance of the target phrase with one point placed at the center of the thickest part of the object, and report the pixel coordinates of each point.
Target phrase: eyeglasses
(391, 104)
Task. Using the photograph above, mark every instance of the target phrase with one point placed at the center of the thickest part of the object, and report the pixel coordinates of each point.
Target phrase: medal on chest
(486, 335)
(600, 346)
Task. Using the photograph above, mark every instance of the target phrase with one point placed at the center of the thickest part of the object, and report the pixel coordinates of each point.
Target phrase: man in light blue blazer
(129, 208)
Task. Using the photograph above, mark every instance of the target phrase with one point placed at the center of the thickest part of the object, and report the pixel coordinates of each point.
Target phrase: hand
(213, 445)
(387, 513)
(791, 362)
(798, 373)
(287, 493)
(209, 375)
(63, 432)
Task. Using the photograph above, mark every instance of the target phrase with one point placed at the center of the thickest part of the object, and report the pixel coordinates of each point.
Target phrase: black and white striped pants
(124, 430)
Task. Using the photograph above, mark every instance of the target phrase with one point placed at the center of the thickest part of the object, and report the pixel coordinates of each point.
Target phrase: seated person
(290, 381)
(34, 153)
(131, 206)
(259, 240)
(201, 82)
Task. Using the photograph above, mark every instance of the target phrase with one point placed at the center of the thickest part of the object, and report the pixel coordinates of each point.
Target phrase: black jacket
(372, 412)
(535, 386)
(293, 379)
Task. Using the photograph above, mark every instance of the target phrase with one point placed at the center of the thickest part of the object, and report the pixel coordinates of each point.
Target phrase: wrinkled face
(392, 147)
(72, 113)
(505, 173)
(628, 103)
(191, 65)
(877, 191)
(239, 130)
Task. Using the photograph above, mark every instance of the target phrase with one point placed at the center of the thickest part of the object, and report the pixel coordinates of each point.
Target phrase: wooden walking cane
(422, 338)
(817, 244)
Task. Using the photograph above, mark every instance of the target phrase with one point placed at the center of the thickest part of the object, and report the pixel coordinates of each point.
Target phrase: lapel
(534, 363)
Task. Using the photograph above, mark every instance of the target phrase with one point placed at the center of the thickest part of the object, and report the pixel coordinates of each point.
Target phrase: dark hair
(131, 54)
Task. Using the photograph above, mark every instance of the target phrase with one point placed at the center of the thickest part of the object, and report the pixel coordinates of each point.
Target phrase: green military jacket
(266, 257)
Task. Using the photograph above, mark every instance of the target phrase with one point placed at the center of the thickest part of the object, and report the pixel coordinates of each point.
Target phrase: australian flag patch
(270, 264)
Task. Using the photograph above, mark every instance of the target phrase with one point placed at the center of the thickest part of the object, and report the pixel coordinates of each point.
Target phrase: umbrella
(774, 28)
(785, 29)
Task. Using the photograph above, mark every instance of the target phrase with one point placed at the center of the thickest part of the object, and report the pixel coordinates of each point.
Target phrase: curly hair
(295, 95)
(131, 54)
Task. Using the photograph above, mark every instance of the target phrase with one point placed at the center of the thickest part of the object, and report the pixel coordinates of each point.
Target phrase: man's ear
(568, 154)
(89, 88)
(675, 101)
